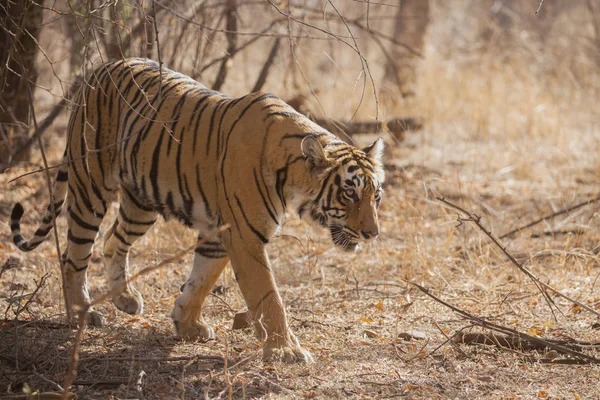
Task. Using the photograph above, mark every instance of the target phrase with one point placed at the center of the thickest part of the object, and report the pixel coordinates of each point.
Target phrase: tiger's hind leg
(133, 221)
(82, 233)
(210, 259)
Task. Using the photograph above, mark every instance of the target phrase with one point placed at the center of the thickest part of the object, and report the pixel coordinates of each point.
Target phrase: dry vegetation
(511, 133)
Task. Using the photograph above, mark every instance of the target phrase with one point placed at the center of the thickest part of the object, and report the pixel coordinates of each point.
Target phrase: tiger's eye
(350, 193)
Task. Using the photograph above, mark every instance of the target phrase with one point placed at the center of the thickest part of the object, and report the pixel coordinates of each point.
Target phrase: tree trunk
(77, 28)
(21, 21)
(412, 18)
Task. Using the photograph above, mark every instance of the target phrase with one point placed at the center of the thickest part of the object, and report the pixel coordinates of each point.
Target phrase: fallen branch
(108, 382)
(549, 216)
(514, 342)
(17, 323)
(471, 217)
(152, 359)
(38, 396)
(519, 336)
(509, 342)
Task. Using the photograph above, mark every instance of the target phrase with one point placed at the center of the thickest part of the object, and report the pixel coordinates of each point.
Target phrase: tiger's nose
(369, 234)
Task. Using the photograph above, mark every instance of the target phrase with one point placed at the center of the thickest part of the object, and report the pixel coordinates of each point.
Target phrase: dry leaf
(576, 309)
(534, 331)
(370, 334)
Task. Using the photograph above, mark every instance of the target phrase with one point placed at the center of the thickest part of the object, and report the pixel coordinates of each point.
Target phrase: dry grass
(505, 138)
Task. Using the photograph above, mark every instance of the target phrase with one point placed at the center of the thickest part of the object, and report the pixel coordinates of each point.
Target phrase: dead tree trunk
(20, 21)
(410, 26)
(231, 33)
(114, 49)
(77, 28)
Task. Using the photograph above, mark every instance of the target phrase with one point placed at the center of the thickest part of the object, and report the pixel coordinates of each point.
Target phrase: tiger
(175, 148)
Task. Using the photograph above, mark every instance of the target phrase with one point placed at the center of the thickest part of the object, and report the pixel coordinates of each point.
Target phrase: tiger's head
(350, 192)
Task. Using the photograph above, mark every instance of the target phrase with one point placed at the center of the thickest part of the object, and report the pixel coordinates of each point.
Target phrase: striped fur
(175, 148)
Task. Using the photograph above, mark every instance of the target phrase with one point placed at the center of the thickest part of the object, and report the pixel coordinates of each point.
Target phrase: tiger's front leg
(210, 259)
(253, 273)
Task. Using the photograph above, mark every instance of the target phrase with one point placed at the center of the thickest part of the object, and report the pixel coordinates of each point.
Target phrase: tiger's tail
(60, 194)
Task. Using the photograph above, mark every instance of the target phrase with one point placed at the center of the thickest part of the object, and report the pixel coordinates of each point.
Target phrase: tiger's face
(350, 192)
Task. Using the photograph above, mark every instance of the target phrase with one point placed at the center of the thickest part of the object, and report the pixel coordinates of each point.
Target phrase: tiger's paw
(129, 301)
(93, 319)
(288, 354)
(196, 330)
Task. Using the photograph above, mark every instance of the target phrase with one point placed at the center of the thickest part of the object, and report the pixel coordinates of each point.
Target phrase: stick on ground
(517, 335)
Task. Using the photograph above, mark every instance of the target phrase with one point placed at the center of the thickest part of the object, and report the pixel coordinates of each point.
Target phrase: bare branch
(519, 336)
(470, 217)
(539, 7)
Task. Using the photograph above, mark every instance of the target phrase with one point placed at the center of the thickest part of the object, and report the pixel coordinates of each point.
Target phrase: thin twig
(74, 358)
(449, 339)
(151, 359)
(539, 7)
(42, 377)
(258, 36)
(22, 307)
(471, 217)
(52, 204)
(354, 46)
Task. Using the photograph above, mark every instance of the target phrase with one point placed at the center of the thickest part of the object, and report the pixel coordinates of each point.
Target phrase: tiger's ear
(375, 151)
(316, 158)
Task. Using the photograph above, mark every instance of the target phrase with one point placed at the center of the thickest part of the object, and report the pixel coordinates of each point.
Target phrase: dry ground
(503, 144)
